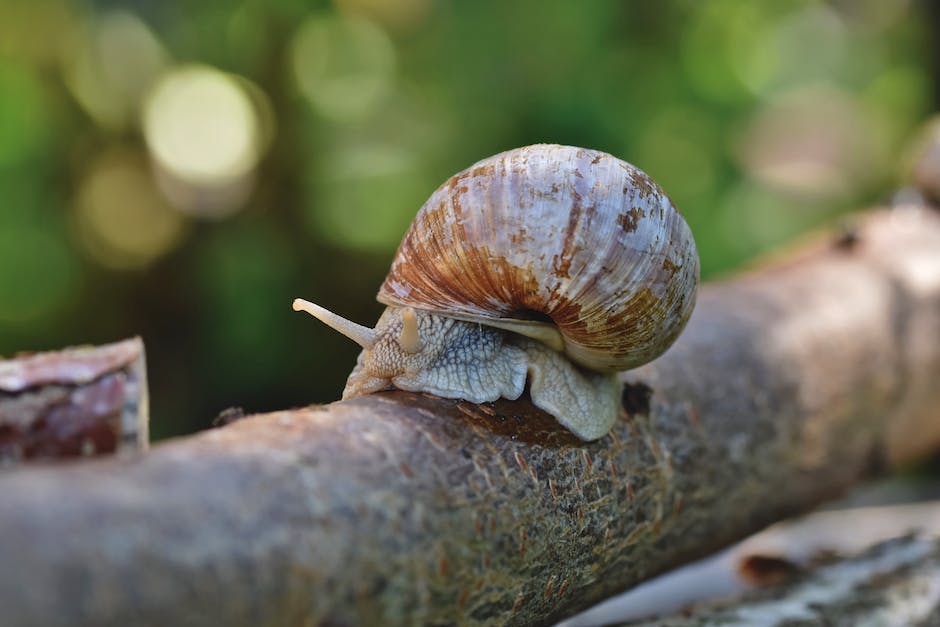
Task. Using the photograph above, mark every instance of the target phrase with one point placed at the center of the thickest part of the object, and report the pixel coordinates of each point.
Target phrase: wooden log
(894, 582)
(784, 554)
(77, 402)
(791, 383)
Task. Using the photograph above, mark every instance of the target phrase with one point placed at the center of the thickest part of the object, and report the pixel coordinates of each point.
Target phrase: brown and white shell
(554, 235)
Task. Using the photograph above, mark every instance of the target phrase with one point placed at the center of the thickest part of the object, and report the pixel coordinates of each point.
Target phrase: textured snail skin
(479, 363)
(552, 264)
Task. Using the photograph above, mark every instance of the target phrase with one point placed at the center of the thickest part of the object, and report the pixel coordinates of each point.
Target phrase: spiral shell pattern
(569, 236)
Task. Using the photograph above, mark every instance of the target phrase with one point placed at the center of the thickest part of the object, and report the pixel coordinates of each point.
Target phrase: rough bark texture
(896, 582)
(790, 384)
(77, 402)
(786, 552)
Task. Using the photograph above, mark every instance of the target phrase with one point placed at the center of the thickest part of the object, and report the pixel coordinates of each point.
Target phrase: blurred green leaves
(40, 255)
(343, 65)
(183, 170)
(25, 126)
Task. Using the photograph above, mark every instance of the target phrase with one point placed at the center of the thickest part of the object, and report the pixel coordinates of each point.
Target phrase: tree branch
(779, 562)
(77, 402)
(895, 582)
(790, 384)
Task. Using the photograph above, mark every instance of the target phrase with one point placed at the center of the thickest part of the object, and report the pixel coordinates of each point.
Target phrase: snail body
(552, 264)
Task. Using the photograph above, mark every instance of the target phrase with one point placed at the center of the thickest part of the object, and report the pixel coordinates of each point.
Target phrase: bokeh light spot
(122, 219)
(201, 125)
(716, 40)
(396, 15)
(371, 215)
(808, 45)
(368, 197)
(874, 16)
(112, 68)
(343, 65)
(813, 142)
(811, 47)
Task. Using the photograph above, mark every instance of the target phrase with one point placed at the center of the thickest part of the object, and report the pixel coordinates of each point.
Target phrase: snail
(550, 264)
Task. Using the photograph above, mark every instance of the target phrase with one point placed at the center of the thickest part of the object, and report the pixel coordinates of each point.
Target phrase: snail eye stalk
(409, 340)
(363, 336)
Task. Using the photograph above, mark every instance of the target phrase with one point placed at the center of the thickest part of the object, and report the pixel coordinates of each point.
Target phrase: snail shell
(548, 264)
(571, 246)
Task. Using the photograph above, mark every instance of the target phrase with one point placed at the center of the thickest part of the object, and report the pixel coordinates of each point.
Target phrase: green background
(183, 170)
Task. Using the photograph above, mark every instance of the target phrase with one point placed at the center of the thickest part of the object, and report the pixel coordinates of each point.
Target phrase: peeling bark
(77, 402)
(896, 582)
(784, 553)
(790, 384)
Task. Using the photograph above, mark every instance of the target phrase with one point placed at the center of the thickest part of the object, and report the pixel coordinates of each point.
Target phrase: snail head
(394, 348)
(420, 351)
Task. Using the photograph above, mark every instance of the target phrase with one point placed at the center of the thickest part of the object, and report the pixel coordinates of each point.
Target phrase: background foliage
(181, 170)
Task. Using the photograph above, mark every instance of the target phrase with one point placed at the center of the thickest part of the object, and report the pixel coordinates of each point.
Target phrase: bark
(791, 553)
(77, 402)
(896, 582)
(790, 384)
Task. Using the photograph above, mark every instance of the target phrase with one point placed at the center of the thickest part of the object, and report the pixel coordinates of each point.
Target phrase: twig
(76, 402)
(790, 384)
(895, 582)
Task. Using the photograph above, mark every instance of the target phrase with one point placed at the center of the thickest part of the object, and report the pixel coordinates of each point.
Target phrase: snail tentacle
(363, 336)
(409, 339)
